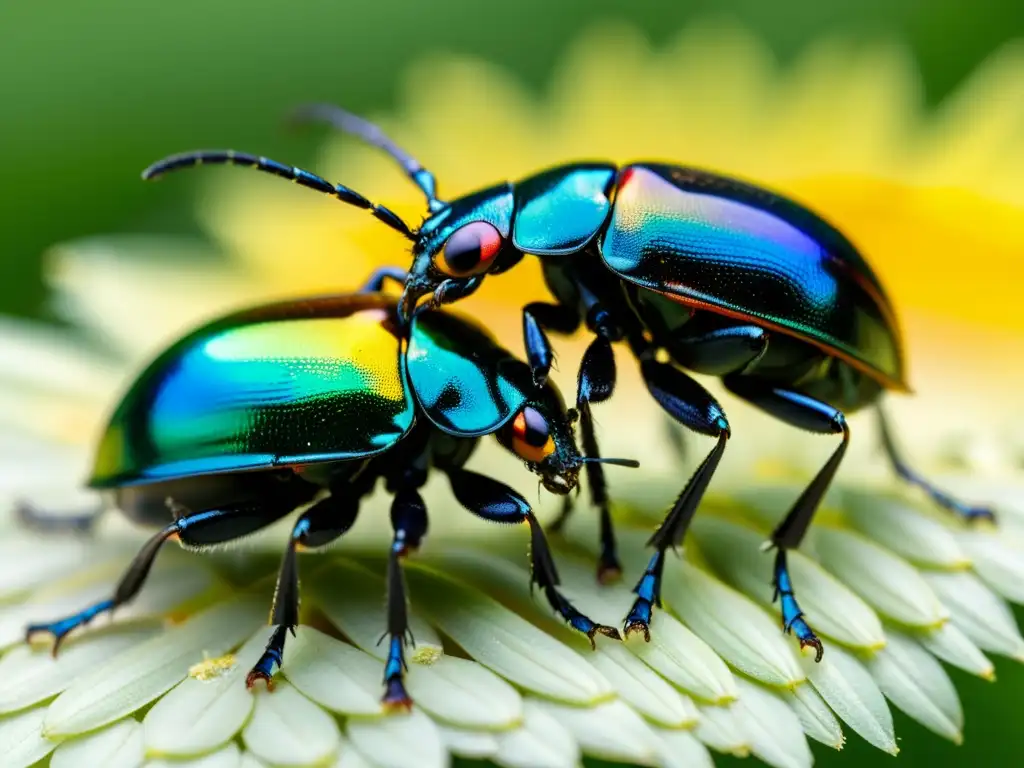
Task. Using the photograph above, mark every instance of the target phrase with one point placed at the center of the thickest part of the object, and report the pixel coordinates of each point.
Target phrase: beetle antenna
(299, 176)
(354, 125)
(631, 463)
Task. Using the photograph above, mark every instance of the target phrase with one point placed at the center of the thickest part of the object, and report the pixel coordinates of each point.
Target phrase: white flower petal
(49, 561)
(42, 357)
(833, 610)
(914, 681)
(685, 660)
(542, 742)
(198, 716)
(249, 760)
(353, 598)
(399, 741)
(773, 730)
(349, 757)
(31, 674)
(740, 631)
(505, 642)
(898, 526)
(681, 749)
(998, 560)
(137, 676)
(477, 745)
(610, 730)
(116, 746)
(982, 615)
(847, 687)
(888, 583)
(720, 729)
(464, 693)
(288, 729)
(953, 646)
(674, 651)
(815, 716)
(643, 689)
(335, 675)
(228, 756)
(22, 738)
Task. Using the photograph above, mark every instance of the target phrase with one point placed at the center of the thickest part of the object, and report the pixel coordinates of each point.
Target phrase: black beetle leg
(375, 282)
(537, 317)
(321, 524)
(692, 406)
(409, 523)
(821, 418)
(958, 508)
(491, 500)
(36, 519)
(199, 529)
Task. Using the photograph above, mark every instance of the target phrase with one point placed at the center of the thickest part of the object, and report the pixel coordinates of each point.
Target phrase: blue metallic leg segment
(792, 617)
(409, 523)
(60, 629)
(648, 595)
(199, 529)
(963, 511)
(814, 416)
(375, 282)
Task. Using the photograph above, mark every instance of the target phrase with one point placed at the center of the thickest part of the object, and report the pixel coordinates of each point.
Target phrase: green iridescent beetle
(260, 412)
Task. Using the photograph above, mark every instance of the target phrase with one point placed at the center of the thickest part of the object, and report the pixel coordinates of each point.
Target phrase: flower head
(892, 585)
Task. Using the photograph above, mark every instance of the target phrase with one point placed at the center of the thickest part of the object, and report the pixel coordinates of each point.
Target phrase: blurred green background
(91, 92)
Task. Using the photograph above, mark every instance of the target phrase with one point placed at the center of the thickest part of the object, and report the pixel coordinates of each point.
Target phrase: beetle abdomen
(730, 248)
(298, 382)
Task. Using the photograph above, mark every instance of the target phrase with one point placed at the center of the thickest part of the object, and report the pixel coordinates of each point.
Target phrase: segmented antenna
(298, 175)
(354, 125)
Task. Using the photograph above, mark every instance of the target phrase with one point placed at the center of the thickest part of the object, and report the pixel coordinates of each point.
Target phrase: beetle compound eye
(470, 250)
(531, 437)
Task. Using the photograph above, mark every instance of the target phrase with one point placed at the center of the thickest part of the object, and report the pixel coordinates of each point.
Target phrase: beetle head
(458, 245)
(542, 435)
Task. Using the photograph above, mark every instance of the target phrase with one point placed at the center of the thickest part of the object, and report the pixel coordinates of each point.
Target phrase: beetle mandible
(719, 276)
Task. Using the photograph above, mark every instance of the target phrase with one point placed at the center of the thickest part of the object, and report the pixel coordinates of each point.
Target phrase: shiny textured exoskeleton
(693, 271)
(265, 410)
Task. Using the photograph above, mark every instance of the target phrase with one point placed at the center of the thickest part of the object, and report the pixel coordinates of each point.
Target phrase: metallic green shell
(714, 243)
(291, 383)
(465, 382)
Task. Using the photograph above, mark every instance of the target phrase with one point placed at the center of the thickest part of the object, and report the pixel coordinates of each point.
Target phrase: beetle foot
(60, 629)
(269, 661)
(792, 617)
(395, 698)
(639, 619)
(263, 670)
(609, 571)
(973, 515)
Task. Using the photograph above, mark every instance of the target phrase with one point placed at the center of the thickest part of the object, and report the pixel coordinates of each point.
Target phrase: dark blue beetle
(693, 271)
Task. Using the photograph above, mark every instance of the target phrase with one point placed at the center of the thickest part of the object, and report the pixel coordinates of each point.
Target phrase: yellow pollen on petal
(211, 669)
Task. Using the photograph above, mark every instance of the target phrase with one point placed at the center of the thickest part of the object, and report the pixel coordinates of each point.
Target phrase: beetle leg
(36, 519)
(409, 523)
(821, 418)
(720, 351)
(958, 508)
(321, 524)
(537, 317)
(595, 384)
(491, 500)
(199, 529)
(691, 405)
(375, 282)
